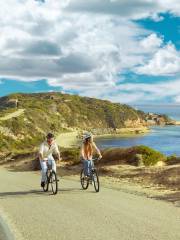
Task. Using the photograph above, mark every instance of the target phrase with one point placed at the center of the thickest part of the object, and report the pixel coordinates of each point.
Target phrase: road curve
(82, 215)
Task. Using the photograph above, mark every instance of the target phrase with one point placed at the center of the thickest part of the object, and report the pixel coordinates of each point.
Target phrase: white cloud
(151, 92)
(139, 93)
(172, 6)
(156, 17)
(166, 61)
(82, 45)
(40, 41)
(151, 42)
(131, 9)
(127, 98)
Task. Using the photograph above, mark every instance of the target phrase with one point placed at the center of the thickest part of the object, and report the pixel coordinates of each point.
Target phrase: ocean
(164, 139)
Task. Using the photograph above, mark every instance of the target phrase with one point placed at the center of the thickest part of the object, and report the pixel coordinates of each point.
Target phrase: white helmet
(87, 135)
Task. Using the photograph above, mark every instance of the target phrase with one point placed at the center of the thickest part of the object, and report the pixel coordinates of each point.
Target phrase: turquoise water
(165, 139)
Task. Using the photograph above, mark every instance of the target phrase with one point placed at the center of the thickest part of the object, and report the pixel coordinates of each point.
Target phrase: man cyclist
(47, 148)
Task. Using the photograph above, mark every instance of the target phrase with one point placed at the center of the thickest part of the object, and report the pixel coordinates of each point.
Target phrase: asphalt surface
(73, 213)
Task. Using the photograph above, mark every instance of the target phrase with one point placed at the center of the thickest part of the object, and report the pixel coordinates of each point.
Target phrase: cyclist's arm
(57, 152)
(82, 152)
(59, 156)
(40, 156)
(97, 150)
(40, 153)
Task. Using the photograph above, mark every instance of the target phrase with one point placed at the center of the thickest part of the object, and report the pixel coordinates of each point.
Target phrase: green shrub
(129, 156)
(173, 159)
(149, 155)
(71, 155)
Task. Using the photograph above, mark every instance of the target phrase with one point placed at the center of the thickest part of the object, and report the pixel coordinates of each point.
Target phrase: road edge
(5, 232)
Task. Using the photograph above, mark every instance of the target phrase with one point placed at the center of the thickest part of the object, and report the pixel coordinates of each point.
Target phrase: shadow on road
(38, 193)
(21, 193)
(75, 190)
(171, 197)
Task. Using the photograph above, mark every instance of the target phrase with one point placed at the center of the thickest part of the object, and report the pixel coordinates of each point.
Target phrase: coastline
(132, 130)
(124, 132)
(72, 139)
(177, 123)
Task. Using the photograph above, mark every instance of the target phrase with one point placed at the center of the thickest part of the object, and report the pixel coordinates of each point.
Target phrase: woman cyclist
(87, 150)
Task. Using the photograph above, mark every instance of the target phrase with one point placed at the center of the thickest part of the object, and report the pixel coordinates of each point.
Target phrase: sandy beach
(71, 139)
(68, 139)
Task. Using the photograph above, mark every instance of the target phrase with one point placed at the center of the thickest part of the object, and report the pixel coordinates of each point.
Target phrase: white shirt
(47, 150)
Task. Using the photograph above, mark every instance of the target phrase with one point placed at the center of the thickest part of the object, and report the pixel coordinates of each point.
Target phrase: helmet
(87, 135)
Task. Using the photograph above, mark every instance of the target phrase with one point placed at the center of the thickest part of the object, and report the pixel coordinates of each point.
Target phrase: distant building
(12, 103)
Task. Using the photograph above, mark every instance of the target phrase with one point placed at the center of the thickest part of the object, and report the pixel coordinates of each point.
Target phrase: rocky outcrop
(132, 123)
(158, 119)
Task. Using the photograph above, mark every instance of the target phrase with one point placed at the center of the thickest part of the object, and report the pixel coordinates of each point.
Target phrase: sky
(125, 51)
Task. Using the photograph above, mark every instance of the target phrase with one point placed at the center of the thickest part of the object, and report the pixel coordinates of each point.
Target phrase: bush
(149, 155)
(116, 155)
(173, 159)
(71, 155)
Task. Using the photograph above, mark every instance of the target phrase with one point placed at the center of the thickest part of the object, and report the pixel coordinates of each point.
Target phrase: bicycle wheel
(54, 182)
(46, 186)
(84, 182)
(95, 180)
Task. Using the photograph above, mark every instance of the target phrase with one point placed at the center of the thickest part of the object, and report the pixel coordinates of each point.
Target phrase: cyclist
(47, 148)
(87, 151)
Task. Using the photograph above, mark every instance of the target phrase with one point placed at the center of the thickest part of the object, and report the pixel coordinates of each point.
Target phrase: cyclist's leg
(52, 162)
(90, 165)
(85, 166)
(43, 170)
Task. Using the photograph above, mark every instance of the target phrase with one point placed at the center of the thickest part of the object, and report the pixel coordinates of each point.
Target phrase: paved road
(83, 215)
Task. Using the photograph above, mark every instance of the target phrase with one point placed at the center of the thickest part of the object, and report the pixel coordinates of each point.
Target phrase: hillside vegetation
(59, 112)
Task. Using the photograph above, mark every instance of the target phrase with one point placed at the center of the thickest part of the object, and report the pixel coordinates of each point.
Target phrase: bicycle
(51, 178)
(93, 178)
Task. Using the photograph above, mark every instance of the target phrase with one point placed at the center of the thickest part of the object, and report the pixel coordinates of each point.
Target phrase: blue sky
(123, 51)
(169, 28)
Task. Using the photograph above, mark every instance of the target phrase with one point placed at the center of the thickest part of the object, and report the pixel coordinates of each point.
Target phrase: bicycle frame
(93, 178)
(49, 180)
(94, 160)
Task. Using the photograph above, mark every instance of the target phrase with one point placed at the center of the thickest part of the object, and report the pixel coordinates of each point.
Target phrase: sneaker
(42, 184)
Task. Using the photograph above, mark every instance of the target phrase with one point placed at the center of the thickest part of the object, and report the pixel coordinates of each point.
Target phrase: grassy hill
(58, 112)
